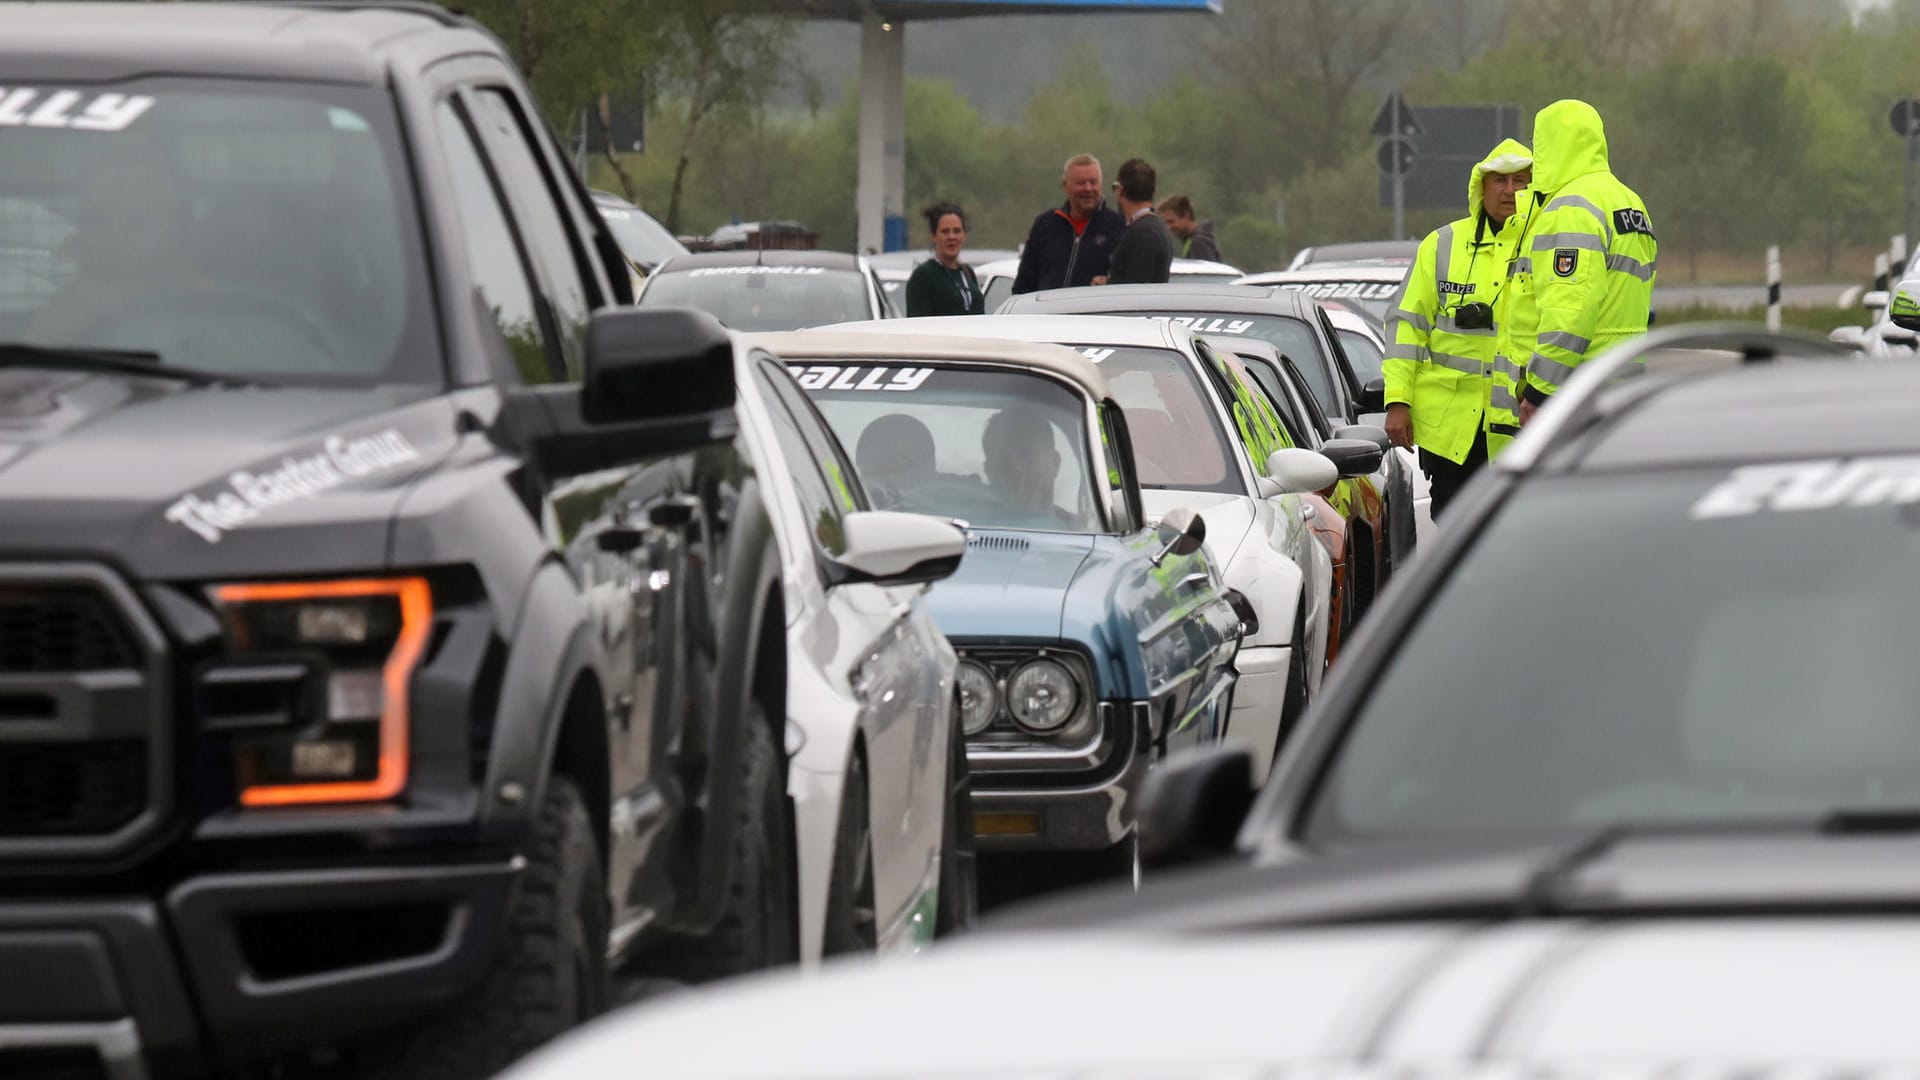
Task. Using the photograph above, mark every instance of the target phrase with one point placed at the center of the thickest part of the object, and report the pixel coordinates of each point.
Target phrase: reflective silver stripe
(1443, 260)
(1503, 429)
(1452, 326)
(1419, 321)
(1521, 265)
(1627, 265)
(1506, 367)
(1399, 351)
(1503, 399)
(1552, 240)
(1581, 201)
(1552, 370)
(1464, 364)
(1569, 342)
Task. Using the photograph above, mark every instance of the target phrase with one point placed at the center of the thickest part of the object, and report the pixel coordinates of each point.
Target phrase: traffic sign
(1396, 118)
(1905, 117)
(1396, 156)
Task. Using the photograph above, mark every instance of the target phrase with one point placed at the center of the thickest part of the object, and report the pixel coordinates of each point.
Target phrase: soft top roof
(836, 344)
(61, 43)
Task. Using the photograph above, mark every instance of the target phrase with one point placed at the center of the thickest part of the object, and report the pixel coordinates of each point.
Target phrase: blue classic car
(1090, 642)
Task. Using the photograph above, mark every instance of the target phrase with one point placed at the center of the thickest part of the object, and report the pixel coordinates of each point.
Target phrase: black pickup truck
(319, 745)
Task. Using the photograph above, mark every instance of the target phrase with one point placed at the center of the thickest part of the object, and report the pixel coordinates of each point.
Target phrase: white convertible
(1191, 448)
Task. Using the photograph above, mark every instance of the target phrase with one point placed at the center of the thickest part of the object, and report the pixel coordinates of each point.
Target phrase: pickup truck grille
(60, 630)
(85, 713)
(60, 789)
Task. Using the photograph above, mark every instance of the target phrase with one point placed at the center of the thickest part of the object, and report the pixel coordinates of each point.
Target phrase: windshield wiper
(111, 361)
(1878, 819)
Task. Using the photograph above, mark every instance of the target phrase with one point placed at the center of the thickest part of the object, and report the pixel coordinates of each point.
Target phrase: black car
(1292, 323)
(316, 383)
(1672, 606)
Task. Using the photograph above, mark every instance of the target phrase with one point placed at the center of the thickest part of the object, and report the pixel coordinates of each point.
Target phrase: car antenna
(1537, 898)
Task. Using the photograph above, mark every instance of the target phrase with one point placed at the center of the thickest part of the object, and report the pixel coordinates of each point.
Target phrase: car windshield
(1375, 297)
(998, 449)
(1363, 354)
(1177, 440)
(763, 298)
(229, 226)
(1291, 336)
(1698, 646)
(641, 239)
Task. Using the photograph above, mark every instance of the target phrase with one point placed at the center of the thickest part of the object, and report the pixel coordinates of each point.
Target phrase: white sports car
(883, 837)
(1191, 448)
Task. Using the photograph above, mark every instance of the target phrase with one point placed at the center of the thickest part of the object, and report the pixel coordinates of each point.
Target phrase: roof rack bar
(1577, 403)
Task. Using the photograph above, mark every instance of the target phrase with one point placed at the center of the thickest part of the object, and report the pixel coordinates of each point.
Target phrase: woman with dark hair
(943, 285)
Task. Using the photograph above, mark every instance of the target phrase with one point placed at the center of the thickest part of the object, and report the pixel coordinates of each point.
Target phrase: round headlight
(979, 698)
(1042, 696)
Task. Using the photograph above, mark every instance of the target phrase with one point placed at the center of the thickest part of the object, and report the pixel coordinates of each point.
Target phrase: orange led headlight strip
(416, 617)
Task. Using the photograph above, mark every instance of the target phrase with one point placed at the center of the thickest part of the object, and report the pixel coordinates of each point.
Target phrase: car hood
(1012, 583)
(1229, 518)
(167, 479)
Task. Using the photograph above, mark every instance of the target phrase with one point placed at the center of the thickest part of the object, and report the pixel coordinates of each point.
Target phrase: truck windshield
(999, 449)
(229, 226)
(1715, 645)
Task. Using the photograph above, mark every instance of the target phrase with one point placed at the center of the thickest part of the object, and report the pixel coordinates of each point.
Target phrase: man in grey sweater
(1194, 237)
(1144, 253)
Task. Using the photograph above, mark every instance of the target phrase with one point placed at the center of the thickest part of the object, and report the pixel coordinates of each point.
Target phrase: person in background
(1144, 255)
(1441, 395)
(943, 285)
(1070, 244)
(1195, 237)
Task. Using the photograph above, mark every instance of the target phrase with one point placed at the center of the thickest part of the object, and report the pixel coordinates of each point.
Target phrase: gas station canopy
(881, 196)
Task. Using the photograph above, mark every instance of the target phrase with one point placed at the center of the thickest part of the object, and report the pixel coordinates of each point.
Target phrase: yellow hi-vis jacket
(1435, 366)
(1583, 276)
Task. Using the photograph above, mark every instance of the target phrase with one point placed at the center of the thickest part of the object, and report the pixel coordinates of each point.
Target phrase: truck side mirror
(1193, 805)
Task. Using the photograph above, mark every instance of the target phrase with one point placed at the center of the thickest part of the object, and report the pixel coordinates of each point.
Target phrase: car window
(1363, 354)
(1253, 419)
(1271, 417)
(494, 256)
(544, 230)
(245, 227)
(1291, 336)
(1178, 441)
(1705, 645)
(1120, 480)
(820, 474)
(995, 292)
(1000, 449)
(641, 238)
(1375, 297)
(763, 298)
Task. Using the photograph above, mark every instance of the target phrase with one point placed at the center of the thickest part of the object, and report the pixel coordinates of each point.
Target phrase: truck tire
(552, 971)
(757, 927)
(959, 864)
(851, 923)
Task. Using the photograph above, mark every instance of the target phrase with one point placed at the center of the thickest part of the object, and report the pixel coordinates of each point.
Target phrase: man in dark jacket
(1144, 255)
(1070, 245)
(1195, 238)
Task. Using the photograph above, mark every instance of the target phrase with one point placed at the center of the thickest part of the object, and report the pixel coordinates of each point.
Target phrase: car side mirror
(1353, 457)
(1298, 471)
(1372, 433)
(1373, 396)
(1193, 805)
(886, 547)
(658, 381)
(1189, 532)
(1874, 300)
(1904, 308)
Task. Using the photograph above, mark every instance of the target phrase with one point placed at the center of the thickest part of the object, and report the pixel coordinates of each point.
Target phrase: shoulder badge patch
(1630, 220)
(1566, 261)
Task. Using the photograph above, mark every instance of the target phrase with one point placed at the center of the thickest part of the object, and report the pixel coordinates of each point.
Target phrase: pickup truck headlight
(360, 640)
(1041, 696)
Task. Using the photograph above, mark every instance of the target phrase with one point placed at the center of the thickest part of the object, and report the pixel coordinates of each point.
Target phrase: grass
(1819, 320)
